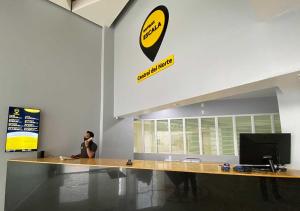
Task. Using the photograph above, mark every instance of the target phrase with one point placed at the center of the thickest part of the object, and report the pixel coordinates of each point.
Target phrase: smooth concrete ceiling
(100, 12)
(268, 9)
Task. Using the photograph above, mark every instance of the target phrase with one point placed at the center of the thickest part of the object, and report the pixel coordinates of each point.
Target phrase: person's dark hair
(90, 133)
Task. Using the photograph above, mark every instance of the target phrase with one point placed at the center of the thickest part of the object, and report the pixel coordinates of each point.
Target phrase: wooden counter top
(202, 168)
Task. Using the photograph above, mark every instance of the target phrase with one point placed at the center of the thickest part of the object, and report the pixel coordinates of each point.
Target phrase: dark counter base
(51, 187)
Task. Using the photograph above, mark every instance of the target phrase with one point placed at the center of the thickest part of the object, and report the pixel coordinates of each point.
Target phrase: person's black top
(83, 153)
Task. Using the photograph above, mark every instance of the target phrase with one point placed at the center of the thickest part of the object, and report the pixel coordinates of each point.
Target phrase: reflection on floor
(113, 189)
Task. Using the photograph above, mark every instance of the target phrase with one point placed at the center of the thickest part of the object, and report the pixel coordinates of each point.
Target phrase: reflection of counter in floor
(65, 186)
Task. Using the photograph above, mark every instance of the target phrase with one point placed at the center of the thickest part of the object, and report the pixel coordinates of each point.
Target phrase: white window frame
(217, 135)
(272, 123)
(200, 136)
(235, 144)
(184, 136)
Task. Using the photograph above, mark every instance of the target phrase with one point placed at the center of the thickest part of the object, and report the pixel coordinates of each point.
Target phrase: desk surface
(203, 168)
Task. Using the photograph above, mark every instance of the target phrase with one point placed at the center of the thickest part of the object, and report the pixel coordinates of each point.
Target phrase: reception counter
(106, 184)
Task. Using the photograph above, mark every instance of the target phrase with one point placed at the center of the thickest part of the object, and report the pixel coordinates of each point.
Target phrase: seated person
(88, 147)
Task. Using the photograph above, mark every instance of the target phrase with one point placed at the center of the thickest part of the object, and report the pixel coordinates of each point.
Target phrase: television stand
(261, 169)
(270, 161)
(267, 168)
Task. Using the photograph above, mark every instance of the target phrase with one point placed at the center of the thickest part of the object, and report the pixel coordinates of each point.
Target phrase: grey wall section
(289, 107)
(49, 59)
(117, 139)
(220, 107)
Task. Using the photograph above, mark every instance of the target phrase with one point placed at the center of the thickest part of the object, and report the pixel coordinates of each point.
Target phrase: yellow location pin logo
(153, 31)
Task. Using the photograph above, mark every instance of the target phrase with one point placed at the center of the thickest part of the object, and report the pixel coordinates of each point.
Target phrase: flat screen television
(255, 148)
(22, 129)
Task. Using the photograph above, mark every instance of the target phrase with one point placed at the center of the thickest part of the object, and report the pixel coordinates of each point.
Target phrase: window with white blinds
(163, 136)
(262, 124)
(225, 128)
(149, 136)
(217, 135)
(192, 136)
(177, 139)
(277, 125)
(209, 142)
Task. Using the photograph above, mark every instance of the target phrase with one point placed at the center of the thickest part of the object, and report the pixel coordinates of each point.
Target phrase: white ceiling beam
(101, 12)
(79, 4)
(63, 3)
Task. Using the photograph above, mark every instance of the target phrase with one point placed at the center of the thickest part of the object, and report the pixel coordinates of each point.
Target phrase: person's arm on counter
(75, 156)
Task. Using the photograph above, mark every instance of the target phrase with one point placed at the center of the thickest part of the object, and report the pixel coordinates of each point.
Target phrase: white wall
(289, 107)
(49, 59)
(217, 45)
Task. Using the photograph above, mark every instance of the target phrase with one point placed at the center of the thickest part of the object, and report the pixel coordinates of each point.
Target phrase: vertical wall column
(288, 96)
(116, 135)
